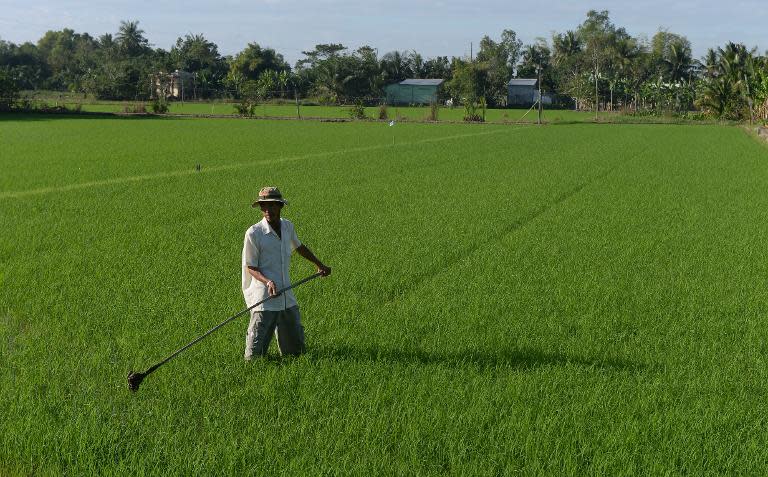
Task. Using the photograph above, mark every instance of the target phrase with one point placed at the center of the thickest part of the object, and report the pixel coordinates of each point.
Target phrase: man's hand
(323, 270)
(272, 288)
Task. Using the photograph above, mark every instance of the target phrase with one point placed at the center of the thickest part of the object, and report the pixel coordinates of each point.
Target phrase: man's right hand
(272, 288)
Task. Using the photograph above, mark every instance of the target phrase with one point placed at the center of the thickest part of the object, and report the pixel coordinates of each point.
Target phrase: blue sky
(431, 27)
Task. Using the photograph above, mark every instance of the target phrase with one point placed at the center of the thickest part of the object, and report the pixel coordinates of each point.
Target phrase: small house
(522, 91)
(413, 91)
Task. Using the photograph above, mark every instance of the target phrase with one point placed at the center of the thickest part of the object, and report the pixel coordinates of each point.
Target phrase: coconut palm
(395, 67)
(737, 64)
(680, 62)
(717, 98)
(130, 38)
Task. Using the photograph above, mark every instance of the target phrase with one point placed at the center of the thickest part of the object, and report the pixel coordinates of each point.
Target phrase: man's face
(271, 210)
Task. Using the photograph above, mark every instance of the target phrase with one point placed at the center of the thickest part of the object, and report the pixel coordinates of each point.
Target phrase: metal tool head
(134, 380)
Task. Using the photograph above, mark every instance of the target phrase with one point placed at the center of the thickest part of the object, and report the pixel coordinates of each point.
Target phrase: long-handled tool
(135, 378)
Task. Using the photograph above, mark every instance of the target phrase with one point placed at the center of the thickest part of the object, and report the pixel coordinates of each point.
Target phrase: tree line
(597, 65)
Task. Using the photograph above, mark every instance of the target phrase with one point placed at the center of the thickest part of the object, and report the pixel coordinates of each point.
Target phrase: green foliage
(470, 80)
(474, 111)
(357, 111)
(595, 64)
(499, 60)
(250, 97)
(9, 90)
(254, 60)
(196, 54)
(159, 105)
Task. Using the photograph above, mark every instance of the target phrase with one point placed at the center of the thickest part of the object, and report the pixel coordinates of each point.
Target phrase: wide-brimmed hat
(270, 194)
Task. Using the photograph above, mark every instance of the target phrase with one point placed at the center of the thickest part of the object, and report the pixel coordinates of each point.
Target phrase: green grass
(575, 299)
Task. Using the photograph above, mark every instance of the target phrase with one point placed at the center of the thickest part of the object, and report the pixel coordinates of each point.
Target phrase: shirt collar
(265, 228)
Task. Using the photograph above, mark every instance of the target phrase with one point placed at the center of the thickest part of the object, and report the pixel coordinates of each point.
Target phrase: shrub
(246, 107)
(357, 111)
(250, 95)
(473, 112)
(159, 105)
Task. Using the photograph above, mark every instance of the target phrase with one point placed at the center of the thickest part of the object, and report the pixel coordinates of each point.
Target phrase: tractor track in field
(510, 228)
(226, 167)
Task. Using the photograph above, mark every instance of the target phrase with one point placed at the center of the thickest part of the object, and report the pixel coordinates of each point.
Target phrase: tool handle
(238, 314)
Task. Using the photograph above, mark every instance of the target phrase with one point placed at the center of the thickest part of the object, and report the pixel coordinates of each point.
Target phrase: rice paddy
(574, 299)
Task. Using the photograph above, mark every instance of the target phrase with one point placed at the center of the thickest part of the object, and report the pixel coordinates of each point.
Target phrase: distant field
(562, 300)
(393, 112)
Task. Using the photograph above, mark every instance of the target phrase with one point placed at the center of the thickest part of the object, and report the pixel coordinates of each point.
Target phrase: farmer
(266, 259)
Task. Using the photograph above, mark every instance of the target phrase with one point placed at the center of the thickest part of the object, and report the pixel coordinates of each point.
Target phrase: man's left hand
(323, 270)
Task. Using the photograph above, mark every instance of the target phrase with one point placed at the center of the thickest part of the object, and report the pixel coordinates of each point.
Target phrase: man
(266, 259)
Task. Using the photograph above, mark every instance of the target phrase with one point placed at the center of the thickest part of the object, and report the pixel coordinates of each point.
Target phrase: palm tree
(679, 65)
(130, 38)
(737, 64)
(395, 66)
(717, 97)
(710, 63)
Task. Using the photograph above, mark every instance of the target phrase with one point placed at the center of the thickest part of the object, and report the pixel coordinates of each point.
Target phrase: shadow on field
(501, 359)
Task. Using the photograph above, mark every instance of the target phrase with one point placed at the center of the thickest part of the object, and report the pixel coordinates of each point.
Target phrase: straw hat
(270, 194)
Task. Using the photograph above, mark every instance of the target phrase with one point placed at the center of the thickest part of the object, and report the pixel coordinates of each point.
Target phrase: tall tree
(195, 54)
(130, 39)
(254, 60)
(567, 53)
(499, 60)
(600, 36)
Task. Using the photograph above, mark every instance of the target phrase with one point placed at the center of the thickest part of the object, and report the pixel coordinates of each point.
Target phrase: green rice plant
(572, 300)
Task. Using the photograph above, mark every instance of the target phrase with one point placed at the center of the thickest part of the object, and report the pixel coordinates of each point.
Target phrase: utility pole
(538, 70)
(470, 52)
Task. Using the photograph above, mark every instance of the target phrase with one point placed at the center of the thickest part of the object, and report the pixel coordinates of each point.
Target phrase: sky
(431, 27)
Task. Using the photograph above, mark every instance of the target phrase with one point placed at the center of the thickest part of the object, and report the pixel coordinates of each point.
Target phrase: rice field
(577, 299)
(405, 113)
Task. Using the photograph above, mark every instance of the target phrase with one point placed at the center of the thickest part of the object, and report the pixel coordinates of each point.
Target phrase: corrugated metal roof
(522, 82)
(421, 82)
